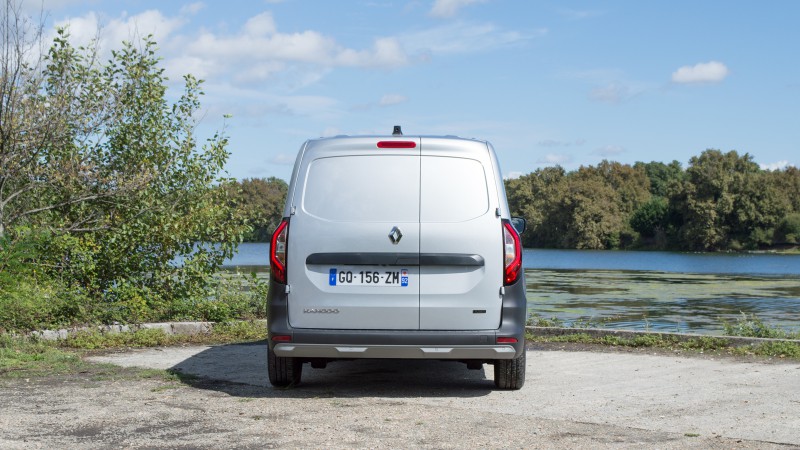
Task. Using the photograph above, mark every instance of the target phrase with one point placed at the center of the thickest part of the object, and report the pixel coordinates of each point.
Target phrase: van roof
(399, 137)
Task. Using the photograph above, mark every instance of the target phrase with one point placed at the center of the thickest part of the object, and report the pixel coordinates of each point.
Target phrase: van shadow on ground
(241, 370)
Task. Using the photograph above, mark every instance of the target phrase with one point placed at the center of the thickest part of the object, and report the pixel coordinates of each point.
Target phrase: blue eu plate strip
(332, 277)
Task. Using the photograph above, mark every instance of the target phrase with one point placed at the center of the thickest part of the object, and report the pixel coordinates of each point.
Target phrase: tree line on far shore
(721, 201)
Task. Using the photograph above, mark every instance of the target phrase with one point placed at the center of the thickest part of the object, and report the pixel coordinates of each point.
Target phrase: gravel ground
(572, 399)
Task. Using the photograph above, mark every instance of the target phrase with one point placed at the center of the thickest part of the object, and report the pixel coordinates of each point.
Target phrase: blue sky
(547, 82)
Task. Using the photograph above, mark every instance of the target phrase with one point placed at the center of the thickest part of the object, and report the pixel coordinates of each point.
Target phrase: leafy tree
(631, 184)
(661, 176)
(95, 157)
(787, 182)
(727, 201)
(788, 229)
(595, 216)
(537, 197)
(651, 217)
(261, 201)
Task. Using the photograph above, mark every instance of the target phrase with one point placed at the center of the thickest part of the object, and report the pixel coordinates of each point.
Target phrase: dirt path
(571, 399)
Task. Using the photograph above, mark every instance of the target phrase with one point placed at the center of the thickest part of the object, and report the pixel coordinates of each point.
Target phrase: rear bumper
(394, 351)
(405, 344)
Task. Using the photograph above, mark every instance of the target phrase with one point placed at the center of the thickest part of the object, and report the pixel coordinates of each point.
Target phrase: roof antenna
(397, 131)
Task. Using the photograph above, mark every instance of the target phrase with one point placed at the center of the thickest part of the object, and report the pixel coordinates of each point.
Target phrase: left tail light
(512, 251)
(277, 252)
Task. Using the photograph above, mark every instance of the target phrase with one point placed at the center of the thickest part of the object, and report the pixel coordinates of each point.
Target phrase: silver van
(396, 247)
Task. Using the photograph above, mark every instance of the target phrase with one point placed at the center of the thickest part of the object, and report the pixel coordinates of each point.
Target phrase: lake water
(664, 291)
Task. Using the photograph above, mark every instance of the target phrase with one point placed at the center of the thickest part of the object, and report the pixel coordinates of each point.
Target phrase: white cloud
(258, 51)
(330, 132)
(250, 105)
(550, 143)
(576, 14)
(449, 8)
(111, 33)
(282, 159)
(45, 6)
(385, 53)
(253, 53)
(241, 60)
(554, 158)
(309, 105)
(610, 85)
(462, 37)
(556, 143)
(260, 24)
(385, 101)
(612, 93)
(392, 99)
(193, 8)
(513, 175)
(780, 165)
(710, 72)
(610, 150)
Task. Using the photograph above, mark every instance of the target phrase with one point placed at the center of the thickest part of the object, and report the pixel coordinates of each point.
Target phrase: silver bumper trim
(394, 351)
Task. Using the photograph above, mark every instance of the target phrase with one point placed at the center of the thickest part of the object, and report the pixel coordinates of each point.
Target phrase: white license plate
(368, 276)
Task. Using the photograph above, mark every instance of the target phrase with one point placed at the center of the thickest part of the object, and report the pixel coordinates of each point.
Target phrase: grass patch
(94, 339)
(222, 333)
(789, 350)
(779, 349)
(24, 357)
(35, 357)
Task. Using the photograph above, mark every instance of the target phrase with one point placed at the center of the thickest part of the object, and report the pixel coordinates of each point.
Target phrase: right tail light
(512, 251)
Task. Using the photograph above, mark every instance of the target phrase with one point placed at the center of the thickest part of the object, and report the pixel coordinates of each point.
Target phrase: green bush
(650, 217)
(778, 349)
(34, 305)
(752, 326)
(42, 302)
(788, 229)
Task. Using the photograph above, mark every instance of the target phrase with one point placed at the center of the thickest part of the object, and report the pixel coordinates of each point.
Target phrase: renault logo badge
(395, 235)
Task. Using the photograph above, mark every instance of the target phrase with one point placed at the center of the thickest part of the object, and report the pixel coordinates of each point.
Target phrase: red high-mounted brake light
(397, 144)
(277, 252)
(512, 251)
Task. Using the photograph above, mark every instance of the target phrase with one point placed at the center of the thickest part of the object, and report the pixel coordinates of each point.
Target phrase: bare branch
(55, 206)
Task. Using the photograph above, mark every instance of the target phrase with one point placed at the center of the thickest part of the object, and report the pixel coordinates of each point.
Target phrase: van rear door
(353, 248)
(461, 248)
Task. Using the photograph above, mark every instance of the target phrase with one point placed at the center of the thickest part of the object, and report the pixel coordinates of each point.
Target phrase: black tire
(510, 373)
(283, 372)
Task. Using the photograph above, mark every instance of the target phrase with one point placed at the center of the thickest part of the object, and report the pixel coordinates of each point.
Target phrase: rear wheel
(510, 373)
(283, 372)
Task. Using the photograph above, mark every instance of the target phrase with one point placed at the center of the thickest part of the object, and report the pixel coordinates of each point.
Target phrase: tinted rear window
(379, 188)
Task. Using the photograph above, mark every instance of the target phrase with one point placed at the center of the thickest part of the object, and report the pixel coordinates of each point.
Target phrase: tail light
(512, 251)
(277, 252)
